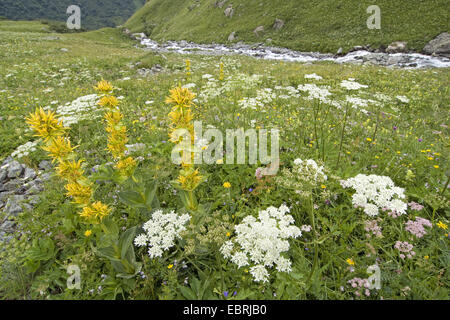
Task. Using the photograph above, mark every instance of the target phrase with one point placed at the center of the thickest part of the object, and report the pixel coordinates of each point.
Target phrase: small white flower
(259, 273)
(140, 240)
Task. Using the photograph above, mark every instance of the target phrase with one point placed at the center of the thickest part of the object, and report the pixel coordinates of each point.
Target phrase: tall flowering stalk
(61, 151)
(221, 72)
(181, 117)
(188, 68)
(117, 131)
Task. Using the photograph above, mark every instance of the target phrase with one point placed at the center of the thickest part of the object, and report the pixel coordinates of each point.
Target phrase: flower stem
(316, 247)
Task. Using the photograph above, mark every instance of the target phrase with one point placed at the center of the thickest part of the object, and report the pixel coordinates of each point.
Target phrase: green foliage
(95, 14)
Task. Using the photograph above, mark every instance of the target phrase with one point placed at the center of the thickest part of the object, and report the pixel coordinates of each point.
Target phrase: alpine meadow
(224, 150)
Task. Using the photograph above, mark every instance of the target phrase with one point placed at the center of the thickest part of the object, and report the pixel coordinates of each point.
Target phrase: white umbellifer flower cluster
(189, 86)
(80, 109)
(403, 99)
(263, 97)
(359, 103)
(215, 88)
(313, 76)
(350, 84)
(260, 241)
(376, 192)
(315, 92)
(25, 149)
(161, 231)
(312, 168)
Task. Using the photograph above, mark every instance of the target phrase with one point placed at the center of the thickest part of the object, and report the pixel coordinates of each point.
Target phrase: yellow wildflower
(87, 233)
(350, 261)
(95, 212)
(113, 118)
(80, 193)
(182, 97)
(189, 179)
(104, 86)
(116, 140)
(45, 124)
(59, 148)
(70, 170)
(221, 72)
(109, 102)
(227, 185)
(126, 166)
(442, 225)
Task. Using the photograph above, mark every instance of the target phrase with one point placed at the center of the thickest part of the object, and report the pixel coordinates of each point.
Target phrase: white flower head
(259, 242)
(161, 232)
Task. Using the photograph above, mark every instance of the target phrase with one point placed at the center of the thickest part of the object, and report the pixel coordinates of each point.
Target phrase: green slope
(310, 25)
(94, 13)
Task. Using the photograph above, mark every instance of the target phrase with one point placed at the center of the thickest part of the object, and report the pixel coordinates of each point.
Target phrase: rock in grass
(220, 4)
(12, 207)
(396, 47)
(3, 175)
(278, 24)
(7, 226)
(232, 36)
(439, 46)
(45, 165)
(12, 185)
(229, 11)
(33, 187)
(15, 170)
(29, 174)
(8, 160)
(258, 31)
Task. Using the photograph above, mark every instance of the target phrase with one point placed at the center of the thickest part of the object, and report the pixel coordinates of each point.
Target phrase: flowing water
(402, 60)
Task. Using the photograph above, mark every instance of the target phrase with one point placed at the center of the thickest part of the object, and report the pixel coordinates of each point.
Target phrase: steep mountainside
(308, 25)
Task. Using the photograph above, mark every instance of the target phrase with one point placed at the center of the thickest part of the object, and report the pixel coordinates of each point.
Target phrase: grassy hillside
(310, 25)
(94, 13)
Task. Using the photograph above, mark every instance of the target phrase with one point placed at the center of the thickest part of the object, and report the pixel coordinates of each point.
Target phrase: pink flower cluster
(373, 229)
(360, 284)
(392, 214)
(405, 248)
(305, 228)
(417, 227)
(415, 206)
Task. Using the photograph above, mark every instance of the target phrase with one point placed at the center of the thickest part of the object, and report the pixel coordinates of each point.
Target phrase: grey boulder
(439, 46)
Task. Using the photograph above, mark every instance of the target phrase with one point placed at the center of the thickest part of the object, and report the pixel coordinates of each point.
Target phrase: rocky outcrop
(19, 189)
(147, 72)
(439, 46)
(396, 47)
